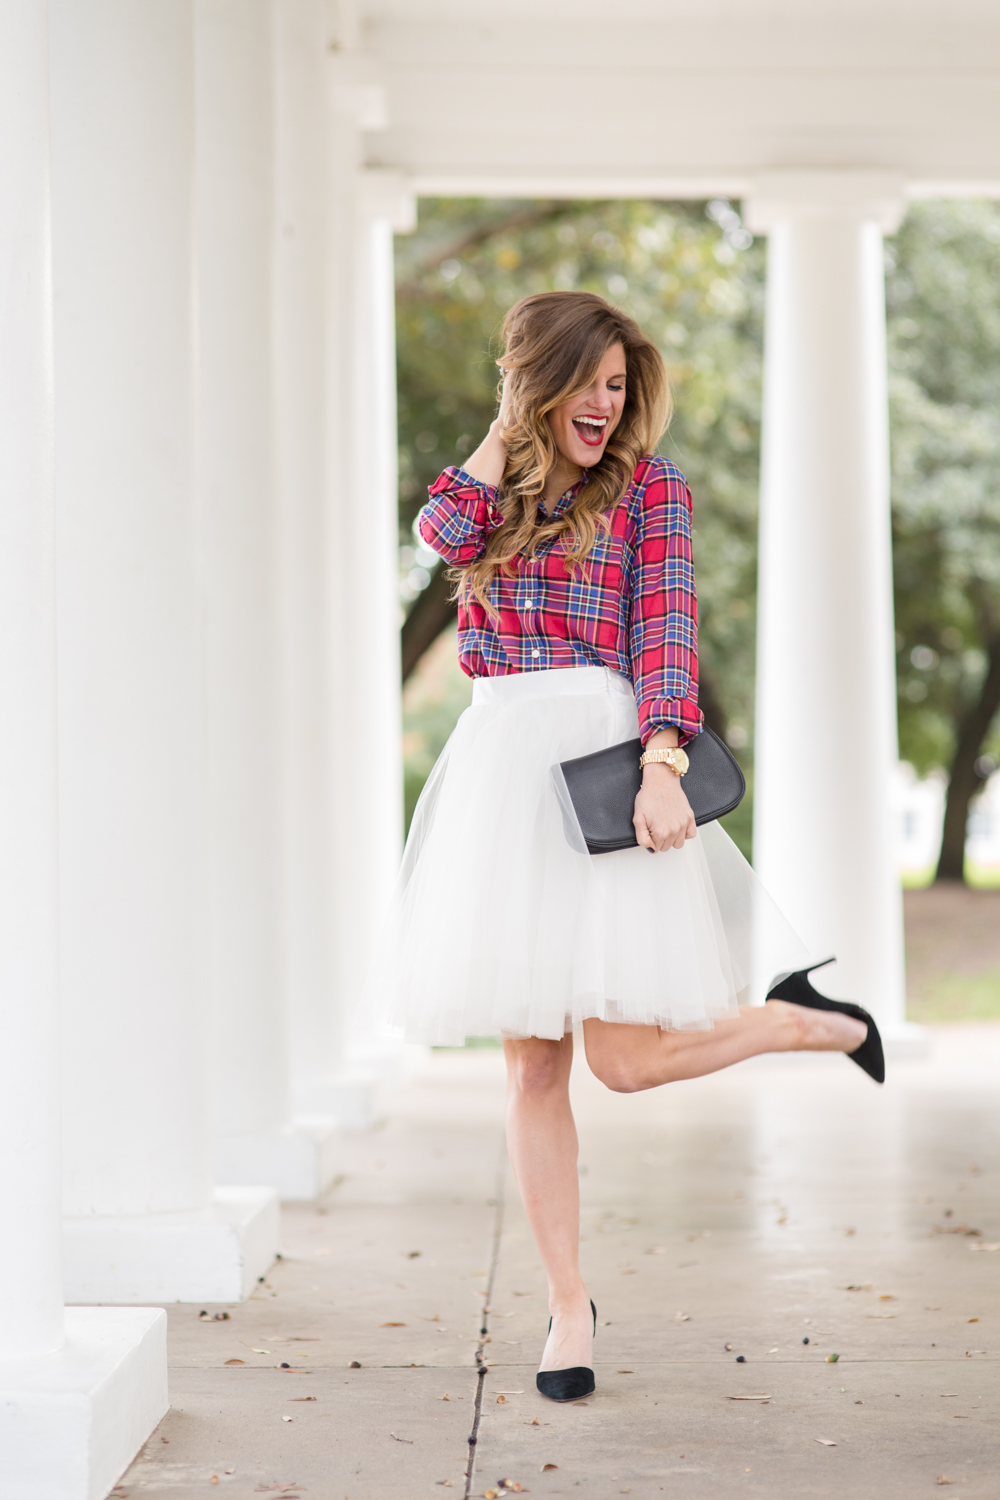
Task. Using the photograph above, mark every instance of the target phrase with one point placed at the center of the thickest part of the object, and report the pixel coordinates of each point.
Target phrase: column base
(299, 1161)
(348, 1097)
(213, 1254)
(72, 1422)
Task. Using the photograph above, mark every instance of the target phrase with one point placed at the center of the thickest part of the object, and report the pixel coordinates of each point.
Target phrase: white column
(256, 1140)
(369, 808)
(79, 1393)
(302, 287)
(826, 719)
(338, 1058)
(143, 1224)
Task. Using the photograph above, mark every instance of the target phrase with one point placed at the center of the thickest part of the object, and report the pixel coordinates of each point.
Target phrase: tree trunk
(431, 612)
(963, 782)
(710, 703)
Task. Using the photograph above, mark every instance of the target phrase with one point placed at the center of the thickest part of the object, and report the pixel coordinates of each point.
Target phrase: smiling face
(581, 426)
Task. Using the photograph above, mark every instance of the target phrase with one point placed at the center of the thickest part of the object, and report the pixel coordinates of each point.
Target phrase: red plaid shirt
(636, 613)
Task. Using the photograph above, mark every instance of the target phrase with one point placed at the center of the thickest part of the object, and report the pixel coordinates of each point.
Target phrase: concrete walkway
(788, 1200)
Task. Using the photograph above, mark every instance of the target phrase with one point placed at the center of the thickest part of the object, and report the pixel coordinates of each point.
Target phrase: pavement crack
(484, 1328)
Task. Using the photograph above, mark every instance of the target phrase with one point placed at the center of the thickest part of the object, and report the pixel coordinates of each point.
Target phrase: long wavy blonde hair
(553, 344)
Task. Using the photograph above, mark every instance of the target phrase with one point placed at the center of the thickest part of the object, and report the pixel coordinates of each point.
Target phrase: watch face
(681, 761)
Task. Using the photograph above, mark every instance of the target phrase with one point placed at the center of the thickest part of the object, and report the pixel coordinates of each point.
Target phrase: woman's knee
(619, 1072)
(616, 1058)
(536, 1066)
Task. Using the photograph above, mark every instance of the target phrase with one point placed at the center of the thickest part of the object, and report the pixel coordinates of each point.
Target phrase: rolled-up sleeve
(457, 520)
(663, 623)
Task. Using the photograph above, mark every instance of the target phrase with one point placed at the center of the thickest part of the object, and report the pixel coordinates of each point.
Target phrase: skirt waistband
(558, 682)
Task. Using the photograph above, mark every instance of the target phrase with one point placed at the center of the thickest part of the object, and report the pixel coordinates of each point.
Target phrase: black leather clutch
(603, 788)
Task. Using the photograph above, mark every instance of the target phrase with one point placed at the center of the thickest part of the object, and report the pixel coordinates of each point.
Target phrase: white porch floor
(789, 1198)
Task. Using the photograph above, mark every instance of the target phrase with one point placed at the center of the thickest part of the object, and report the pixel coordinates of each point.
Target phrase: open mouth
(591, 430)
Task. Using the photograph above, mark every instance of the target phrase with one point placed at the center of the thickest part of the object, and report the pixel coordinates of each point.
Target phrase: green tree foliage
(693, 278)
(943, 294)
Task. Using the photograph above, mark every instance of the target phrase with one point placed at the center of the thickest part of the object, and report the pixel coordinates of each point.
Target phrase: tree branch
(431, 612)
(526, 219)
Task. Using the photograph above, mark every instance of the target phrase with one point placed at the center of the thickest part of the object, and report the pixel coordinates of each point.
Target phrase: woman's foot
(571, 1337)
(820, 1030)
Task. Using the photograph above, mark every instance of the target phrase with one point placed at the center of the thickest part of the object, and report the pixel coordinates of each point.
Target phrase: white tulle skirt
(503, 925)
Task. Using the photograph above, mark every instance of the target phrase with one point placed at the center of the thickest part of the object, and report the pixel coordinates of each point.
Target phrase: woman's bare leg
(630, 1058)
(541, 1139)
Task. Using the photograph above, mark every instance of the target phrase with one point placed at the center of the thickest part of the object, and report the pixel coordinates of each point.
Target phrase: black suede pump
(797, 990)
(568, 1385)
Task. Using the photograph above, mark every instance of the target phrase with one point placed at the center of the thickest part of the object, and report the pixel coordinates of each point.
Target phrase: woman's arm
(490, 458)
(663, 647)
(457, 520)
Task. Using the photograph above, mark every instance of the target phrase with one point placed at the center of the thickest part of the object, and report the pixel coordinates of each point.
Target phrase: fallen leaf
(392, 1325)
(682, 1317)
(624, 1372)
(755, 1398)
(831, 1359)
(302, 1398)
(859, 1286)
(445, 1397)
(490, 1494)
(355, 1364)
(501, 1401)
(287, 1419)
(827, 1442)
(943, 1479)
(413, 1254)
(968, 1320)
(235, 1361)
(954, 1229)
(207, 1317)
(772, 1351)
(533, 1423)
(549, 1466)
(887, 1297)
(253, 1350)
(402, 1440)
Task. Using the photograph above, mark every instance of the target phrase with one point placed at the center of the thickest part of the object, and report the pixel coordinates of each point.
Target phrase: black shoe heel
(797, 990)
(568, 1385)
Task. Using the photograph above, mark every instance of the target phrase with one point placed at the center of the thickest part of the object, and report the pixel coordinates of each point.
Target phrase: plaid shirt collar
(565, 501)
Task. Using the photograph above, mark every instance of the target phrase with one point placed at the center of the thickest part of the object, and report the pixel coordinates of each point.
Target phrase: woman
(577, 620)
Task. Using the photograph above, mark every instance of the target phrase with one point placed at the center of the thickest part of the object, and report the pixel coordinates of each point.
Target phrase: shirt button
(536, 653)
(529, 603)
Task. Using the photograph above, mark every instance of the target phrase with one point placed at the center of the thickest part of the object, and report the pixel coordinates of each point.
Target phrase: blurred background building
(202, 793)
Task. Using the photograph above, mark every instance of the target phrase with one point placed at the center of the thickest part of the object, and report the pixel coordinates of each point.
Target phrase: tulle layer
(503, 925)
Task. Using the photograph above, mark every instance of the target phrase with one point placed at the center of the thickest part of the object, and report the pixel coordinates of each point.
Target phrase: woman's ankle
(569, 1300)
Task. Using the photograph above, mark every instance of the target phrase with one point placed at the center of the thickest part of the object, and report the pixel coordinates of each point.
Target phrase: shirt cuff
(454, 480)
(682, 714)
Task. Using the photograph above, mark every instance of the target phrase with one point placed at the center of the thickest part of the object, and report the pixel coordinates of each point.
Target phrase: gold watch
(673, 757)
